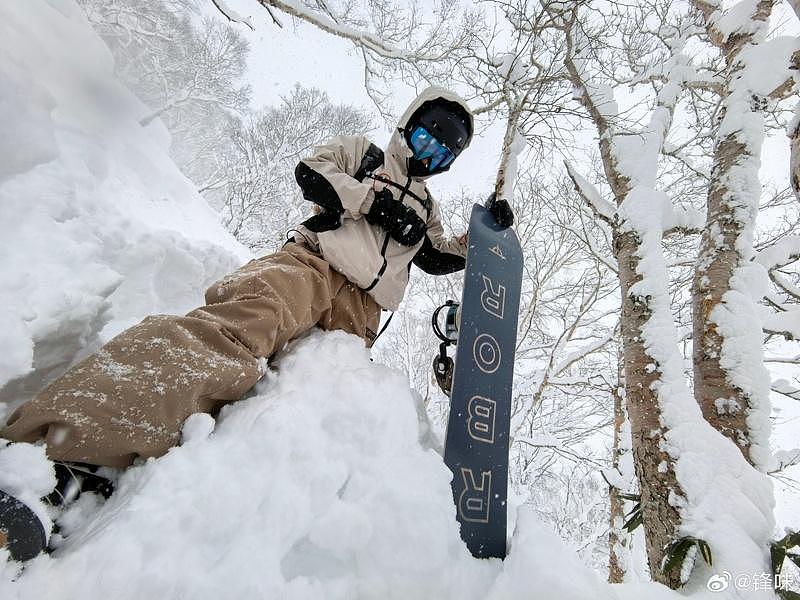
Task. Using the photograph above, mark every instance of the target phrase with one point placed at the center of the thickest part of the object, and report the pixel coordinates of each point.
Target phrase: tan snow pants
(131, 397)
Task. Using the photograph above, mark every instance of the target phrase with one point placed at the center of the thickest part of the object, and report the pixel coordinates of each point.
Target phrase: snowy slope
(98, 226)
(319, 486)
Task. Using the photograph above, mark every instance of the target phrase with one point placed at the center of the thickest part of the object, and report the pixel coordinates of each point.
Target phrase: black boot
(75, 478)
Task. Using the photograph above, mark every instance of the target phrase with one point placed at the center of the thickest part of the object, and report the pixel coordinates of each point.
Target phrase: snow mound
(96, 219)
(318, 486)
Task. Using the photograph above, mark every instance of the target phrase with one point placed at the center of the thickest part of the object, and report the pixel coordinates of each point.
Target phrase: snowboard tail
(21, 531)
(476, 443)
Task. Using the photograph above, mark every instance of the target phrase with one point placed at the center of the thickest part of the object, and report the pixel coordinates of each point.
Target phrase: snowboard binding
(443, 365)
(72, 479)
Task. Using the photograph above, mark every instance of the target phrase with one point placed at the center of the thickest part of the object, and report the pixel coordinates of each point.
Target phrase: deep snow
(99, 227)
(321, 485)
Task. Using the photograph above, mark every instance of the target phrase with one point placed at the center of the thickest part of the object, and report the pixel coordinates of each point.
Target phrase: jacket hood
(398, 148)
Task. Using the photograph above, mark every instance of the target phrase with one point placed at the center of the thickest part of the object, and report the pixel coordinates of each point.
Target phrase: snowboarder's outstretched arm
(440, 255)
(326, 178)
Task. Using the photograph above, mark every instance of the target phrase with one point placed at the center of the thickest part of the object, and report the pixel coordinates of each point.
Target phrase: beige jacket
(366, 254)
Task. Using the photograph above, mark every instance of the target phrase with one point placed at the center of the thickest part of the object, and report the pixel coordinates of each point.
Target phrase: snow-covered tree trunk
(631, 171)
(731, 384)
(697, 490)
(621, 465)
(671, 441)
(794, 132)
(794, 160)
(653, 465)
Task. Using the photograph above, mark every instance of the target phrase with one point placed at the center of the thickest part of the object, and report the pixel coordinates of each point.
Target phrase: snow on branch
(692, 76)
(785, 360)
(786, 324)
(783, 56)
(598, 99)
(783, 252)
(683, 220)
(602, 208)
(783, 387)
(737, 25)
(785, 459)
(232, 15)
(785, 285)
(327, 24)
(707, 82)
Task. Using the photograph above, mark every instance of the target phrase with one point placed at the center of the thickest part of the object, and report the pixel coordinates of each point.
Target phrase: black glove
(399, 220)
(501, 211)
(324, 220)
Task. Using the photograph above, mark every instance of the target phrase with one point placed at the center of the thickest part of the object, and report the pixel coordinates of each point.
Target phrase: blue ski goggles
(425, 146)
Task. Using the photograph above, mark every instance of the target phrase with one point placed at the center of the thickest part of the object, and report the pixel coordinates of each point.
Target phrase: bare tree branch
(231, 15)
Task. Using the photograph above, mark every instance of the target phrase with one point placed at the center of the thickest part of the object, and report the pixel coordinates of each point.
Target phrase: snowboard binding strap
(443, 365)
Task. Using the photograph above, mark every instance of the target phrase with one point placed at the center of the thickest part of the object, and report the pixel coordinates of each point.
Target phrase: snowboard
(21, 531)
(476, 442)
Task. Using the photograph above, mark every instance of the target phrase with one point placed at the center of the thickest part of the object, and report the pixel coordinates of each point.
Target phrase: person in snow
(374, 217)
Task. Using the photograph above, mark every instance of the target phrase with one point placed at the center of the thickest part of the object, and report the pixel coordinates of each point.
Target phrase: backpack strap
(426, 202)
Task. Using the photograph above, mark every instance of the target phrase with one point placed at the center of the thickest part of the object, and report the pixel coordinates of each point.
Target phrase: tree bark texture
(654, 467)
(794, 133)
(730, 212)
(618, 539)
(724, 406)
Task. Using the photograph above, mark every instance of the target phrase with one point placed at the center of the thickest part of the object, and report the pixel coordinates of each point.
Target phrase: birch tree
(731, 383)
(643, 293)
(794, 130)
(671, 439)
